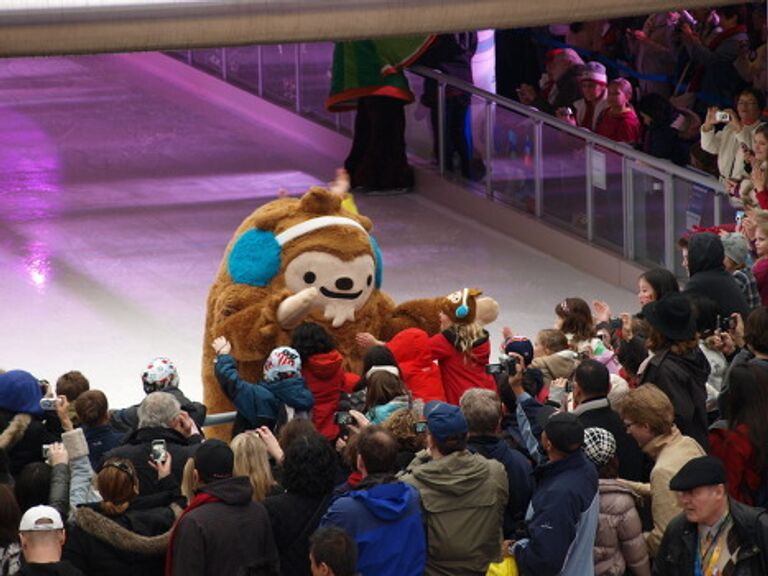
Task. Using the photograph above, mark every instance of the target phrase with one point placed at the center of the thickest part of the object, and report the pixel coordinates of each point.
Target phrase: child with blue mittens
(280, 397)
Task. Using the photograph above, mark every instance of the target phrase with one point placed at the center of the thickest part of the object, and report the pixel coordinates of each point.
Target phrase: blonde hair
(252, 460)
(466, 336)
(648, 405)
(761, 220)
(188, 480)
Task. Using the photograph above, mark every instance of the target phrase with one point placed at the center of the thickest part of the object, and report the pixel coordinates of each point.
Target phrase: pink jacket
(619, 545)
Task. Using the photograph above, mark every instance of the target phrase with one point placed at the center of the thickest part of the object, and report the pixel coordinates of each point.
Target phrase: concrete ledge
(519, 225)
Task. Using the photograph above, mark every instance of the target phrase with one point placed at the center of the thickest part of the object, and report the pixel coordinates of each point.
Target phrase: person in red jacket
(413, 351)
(463, 347)
(322, 368)
(619, 121)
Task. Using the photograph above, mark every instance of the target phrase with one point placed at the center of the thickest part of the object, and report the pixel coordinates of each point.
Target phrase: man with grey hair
(482, 409)
(161, 422)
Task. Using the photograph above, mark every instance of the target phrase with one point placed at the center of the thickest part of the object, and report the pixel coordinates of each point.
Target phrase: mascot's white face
(344, 286)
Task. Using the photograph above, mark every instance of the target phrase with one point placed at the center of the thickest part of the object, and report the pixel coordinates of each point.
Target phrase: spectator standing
(678, 366)
(160, 375)
(741, 444)
(714, 534)
(332, 553)
(619, 121)
(42, 536)
(413, 355)
(619, 546)
(559, 85)
(93, 414)
(655, 47)
(10, 515)
(709, 278)
(736, 250)
(222, 531)
(662, 138)
(562, 519)
(273, 401)
(463, 347)
(649, 417)
(309, 473)
(591, 385)
(553, 356)
(760, 268)
(482, 410)
(160, 418)
(758, 159)
(71, 385)
(381, 514)
(463, 497)
(593, 101)
(252, 460)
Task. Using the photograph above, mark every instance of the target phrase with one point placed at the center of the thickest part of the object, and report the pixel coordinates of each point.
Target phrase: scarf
(200, 499)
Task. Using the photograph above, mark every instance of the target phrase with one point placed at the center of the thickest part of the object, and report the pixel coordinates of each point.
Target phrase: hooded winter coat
(260, 402)
(463, 497)
(412, 350)
(670, 452)
(229, 536)
(708, 276)
(684, 380)
(325, 378)
(385, 521)
(619, 547)
(460, 372)
(132, 543)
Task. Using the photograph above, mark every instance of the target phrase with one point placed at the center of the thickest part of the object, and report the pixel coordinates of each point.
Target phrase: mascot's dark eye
(370, 279)
(310, 277)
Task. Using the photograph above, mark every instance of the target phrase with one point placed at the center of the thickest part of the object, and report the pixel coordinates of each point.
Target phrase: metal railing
(606, 193)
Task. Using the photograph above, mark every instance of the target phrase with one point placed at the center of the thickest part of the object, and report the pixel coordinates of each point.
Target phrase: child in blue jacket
(280, 397)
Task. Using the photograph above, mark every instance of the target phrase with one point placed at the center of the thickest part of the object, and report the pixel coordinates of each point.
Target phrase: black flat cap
(701, 471)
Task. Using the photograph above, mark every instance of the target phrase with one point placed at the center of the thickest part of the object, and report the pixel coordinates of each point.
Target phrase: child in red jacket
(463, 347)
(322, 368)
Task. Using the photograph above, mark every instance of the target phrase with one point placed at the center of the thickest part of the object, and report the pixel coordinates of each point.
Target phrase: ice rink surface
(119, 193)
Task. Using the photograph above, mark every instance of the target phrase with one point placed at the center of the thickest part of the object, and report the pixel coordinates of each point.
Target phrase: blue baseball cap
(444, 420)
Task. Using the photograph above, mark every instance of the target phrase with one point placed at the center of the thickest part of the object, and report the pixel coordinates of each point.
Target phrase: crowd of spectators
(685, 86)
(603, 445)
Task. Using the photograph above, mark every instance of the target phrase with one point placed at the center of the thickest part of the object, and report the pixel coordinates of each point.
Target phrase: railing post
(538, 168)
(189, 57)
(490, 108)
(224, 64)
(297, 76)
(441, 126)
(669, 222)
(718, 208)
(590, 193)
(628, 193)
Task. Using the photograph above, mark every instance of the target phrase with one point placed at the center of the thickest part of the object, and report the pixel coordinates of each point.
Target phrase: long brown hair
(657, 341)
(577, 319)
(10, 516)
(118, 485)
(383, 387)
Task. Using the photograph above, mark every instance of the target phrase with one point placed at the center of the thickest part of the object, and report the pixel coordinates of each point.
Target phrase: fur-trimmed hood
(15, 431)
(114, 534)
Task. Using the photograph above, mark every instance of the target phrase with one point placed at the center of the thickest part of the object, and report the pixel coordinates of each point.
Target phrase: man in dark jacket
(160, 375)
(592, 382)
(160, 418)
(381, 514)
(222, 531)
(714, 534)
(708, 276)
(482, 409)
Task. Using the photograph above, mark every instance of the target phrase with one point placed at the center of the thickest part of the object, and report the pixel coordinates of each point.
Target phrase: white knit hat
(594, 71)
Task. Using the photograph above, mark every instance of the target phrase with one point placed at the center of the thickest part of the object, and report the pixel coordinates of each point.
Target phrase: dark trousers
(458, 134)
(377, 160)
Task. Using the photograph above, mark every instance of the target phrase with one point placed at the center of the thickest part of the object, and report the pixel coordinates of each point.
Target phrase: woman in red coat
(743, 445)
(463, 347)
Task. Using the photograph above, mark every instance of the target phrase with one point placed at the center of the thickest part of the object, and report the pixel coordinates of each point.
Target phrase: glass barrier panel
(177, 54)
(512, 175)
(648, 192)
(564, 180)
(209, 59)
(418, 124)
(316, 61)
(279, 70)
(243, 67)
(608, 198)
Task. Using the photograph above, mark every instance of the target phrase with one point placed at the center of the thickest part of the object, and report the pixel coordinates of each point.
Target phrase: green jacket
(463, 497)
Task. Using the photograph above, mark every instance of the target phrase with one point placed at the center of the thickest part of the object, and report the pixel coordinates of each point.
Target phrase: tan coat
(670, 453)
(619, 545)
(558, 365)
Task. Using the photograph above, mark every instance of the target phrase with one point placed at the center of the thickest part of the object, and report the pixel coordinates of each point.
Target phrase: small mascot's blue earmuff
(255, 257)
(462, 311)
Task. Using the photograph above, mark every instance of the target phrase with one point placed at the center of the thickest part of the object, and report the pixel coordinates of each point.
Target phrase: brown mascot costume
(303, 259)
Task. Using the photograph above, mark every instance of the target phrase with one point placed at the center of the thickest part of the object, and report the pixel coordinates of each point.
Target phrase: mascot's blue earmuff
(255, 257)
(462, 311)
